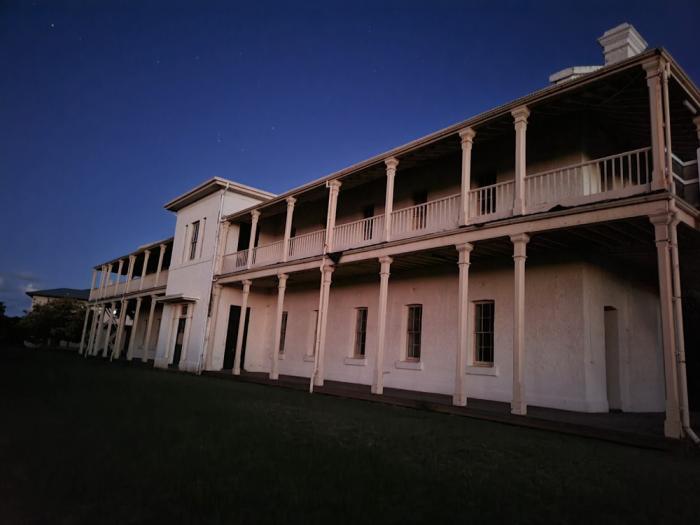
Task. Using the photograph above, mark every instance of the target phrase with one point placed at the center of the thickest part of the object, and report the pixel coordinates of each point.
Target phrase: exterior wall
(565, 344)
(192, 278)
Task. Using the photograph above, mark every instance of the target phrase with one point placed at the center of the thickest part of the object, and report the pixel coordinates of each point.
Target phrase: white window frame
(476, 361)
(356, 333)
(408, 331)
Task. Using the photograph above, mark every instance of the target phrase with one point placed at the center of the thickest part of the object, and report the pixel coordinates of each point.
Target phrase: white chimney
(621, 42)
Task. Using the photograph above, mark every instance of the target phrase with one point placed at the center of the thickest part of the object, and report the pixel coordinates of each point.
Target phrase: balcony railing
(610, 177)
(358, 233)
(135, 285)
(430, 217)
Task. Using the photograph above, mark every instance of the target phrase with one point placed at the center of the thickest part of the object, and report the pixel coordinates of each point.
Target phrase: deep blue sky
(110, 109)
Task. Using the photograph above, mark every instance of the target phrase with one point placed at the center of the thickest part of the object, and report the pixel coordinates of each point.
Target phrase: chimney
(620, 43)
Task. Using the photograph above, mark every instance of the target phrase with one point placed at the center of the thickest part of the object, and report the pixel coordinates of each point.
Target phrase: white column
(241, 328)
(281, 287)
(149, 329)
(108, 279)
(333, 189)
(94, 280)
(108, 328)
(467, 138)
(222, 239)
(463, 337)
(85, 325)
(130, 273)
(519, 405)
(659, 178)
(520, 116)
(320, 350)
(391, 165)
(103, 277)
(146, 256)
(119, 275)
(134, 326)
(93, 328)
(672, 424)
(116, 352)
(161, 256)
(95, 332)
(288, 227)
(254, 217)
(216, 294)
(378, 383)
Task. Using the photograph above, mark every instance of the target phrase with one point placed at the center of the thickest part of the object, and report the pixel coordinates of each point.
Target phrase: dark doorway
(234, 317)
(243, 236)
(179, 338)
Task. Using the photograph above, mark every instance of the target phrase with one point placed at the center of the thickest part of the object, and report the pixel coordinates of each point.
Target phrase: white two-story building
(535, 254)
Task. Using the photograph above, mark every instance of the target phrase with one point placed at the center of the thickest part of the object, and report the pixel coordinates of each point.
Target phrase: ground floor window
(483, 333)
(283, 331)
(360, 331)
(413, 332)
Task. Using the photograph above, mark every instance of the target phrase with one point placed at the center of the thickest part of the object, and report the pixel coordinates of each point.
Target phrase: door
(234, 317)
(612, 358)
(179, 339)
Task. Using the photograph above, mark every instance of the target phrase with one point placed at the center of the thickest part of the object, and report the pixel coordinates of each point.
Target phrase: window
(360, 331)
(194, 237)
(283, 331)
(483, 333)
(314, 327)
(413, 332)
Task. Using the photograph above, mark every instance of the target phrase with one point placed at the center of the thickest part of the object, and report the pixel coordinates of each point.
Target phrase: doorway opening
(234, 317)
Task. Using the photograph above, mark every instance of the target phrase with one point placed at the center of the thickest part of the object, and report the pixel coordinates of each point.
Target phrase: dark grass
(86, 441)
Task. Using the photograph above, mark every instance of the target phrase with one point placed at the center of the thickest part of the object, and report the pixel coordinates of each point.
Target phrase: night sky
(110, 109)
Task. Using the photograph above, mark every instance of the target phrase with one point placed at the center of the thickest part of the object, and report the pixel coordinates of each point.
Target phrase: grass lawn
(85, 441)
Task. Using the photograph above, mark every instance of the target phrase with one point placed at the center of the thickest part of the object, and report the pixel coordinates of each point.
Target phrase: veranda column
(85, 325)
(672, 424)
(99, 329)
(255, 216)
(463, 337)
(520, 116)
(518, 405)
(241, 328)
(696, 121)
(659, 178)
(130, 273)
(467, 136)
(320, 351)
(117, 350)
(119, 275)
(149, 329)
(281, 287)
(134, 326)
(93, 328)
(391, 165)
(103, 275)
(333, 189)
(94, 280)
(216, 293)
(108, 279)
(108, 328)
(378, 382)
(288, 227)
(146, 256)
(222, 239)
(159, 269)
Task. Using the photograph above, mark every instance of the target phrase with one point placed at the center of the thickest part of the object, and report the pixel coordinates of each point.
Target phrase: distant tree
(55, 321)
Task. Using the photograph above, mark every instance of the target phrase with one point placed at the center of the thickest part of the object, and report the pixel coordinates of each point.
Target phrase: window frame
(283, 330)
(194, 240)
(479, 332)
(360, 342)
(412, 334)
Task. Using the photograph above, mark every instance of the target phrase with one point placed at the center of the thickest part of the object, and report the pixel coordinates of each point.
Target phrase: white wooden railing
(615, 176)
(307, 245)
(358, 233)
(491, 202)
(433, 216)
(267, 254)
(234, 261)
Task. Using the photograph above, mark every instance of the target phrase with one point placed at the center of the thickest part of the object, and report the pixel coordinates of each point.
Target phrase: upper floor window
(484, 333)
(360, 331)
(194, 238)
(413, 332)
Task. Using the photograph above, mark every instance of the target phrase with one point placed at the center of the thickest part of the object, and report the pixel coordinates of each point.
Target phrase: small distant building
(42, 297)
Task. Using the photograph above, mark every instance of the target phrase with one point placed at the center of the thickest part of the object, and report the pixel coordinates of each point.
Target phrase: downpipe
(680, 336)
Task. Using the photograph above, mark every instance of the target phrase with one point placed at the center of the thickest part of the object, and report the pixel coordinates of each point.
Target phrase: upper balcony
(592, 143)
(144, 270)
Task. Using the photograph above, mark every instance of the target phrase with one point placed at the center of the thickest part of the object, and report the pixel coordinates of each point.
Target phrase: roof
(62, 293)
(212, 186)
(482, 118)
